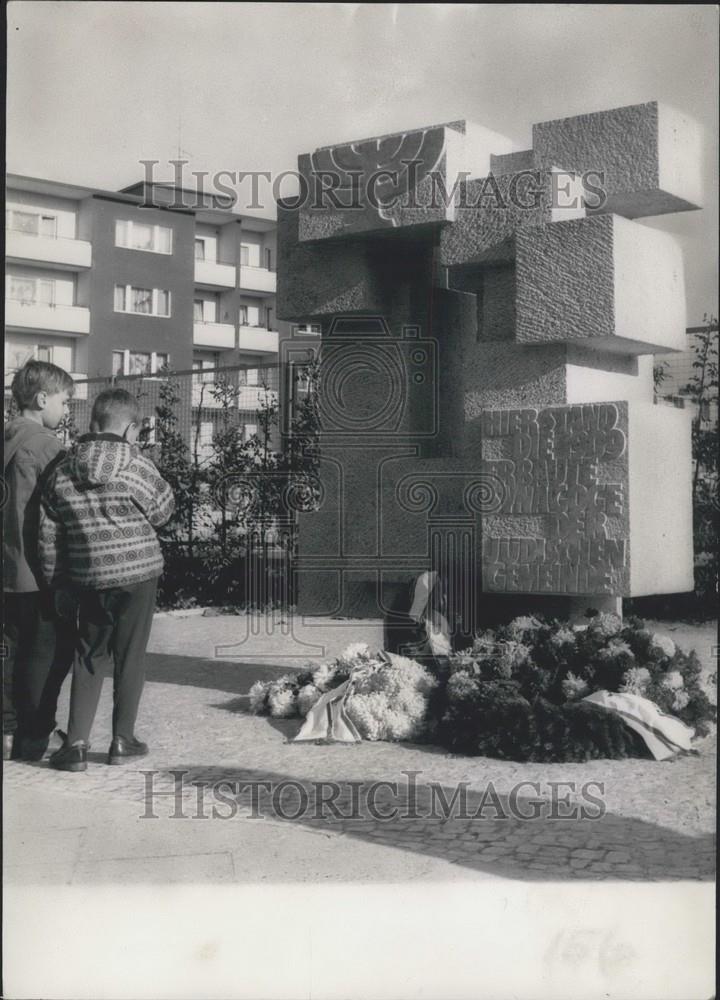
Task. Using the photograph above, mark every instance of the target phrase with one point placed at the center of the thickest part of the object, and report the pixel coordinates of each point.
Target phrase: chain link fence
(199, 409)
(215, 556)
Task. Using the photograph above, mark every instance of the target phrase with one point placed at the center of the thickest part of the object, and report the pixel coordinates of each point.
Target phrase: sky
(94, 88)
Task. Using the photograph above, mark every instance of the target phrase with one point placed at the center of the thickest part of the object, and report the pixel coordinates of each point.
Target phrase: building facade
(119, 283)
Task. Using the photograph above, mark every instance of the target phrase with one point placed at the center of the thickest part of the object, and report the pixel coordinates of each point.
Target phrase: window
(45, 291)
(24, 222)
(164, 239)
(250, 315)
(19, 358)
(32, 223)
(268, 317)
(32, 291)
(142, 301)
(138, 362)
(205, 310)
(268, 259)
(44, 353)
(163, 302)
(22, 289)
(258, 376)
(199, 248)
(249, 255)
(143, 236)
(205, 373)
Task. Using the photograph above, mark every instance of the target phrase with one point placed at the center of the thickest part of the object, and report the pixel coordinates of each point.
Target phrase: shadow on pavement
(235, 677)
(484, 831)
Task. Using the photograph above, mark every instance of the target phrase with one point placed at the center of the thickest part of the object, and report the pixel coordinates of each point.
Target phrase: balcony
(218, 335)
(68, 254)
(258, 340)
(25, 315)
(214, 274)
(258, 279)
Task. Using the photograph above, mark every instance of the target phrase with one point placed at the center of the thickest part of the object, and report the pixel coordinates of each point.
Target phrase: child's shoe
(32, 748)
(70, 758)
(123, 747)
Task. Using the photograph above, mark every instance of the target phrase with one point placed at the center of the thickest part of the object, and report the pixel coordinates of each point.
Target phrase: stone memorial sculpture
(489, 318)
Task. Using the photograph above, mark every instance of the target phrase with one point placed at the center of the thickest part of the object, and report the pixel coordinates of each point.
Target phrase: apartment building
(104, 282)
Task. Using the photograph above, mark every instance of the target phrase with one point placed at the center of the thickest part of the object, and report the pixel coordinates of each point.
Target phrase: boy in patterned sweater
(98, 543)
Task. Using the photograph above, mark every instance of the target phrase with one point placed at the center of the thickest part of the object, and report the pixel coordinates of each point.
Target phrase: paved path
(98, 826)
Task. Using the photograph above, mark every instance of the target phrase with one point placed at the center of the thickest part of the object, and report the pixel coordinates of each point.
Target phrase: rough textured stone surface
(604, 280)
(500, 374)
(380, 404)
(492, 209)
(496, 304)
(565, 282)
(636, 522)
(521, 302)
(398, 181)
(422, 206)
(555, 510)
(649, 154)
(454, 324)
(317, 281)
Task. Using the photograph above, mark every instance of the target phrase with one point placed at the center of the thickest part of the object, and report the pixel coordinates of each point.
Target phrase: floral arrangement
(517, 691)
(389, 699)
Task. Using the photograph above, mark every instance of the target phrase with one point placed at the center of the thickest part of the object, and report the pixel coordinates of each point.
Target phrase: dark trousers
(39, 653)
(115, 621)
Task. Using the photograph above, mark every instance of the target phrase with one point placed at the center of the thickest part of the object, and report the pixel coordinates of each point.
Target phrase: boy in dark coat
(40, 646)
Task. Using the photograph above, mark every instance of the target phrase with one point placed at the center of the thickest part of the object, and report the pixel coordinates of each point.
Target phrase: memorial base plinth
(603, 603)
(500, 609)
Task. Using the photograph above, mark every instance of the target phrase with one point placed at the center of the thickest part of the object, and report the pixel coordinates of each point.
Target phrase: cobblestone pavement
(104, 825)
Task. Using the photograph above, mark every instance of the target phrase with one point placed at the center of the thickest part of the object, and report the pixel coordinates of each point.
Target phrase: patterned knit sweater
(100, 509)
